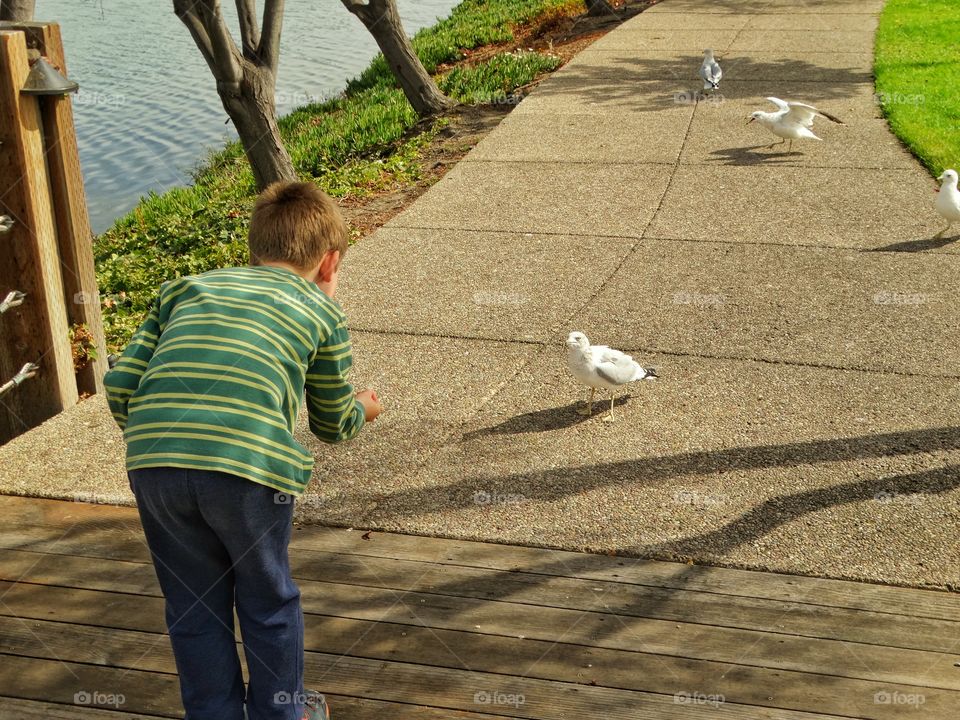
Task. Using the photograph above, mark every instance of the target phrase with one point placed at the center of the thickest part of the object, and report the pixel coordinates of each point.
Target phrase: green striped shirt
(214, 377)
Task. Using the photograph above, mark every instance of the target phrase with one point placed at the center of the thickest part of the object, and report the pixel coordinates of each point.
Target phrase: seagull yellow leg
(944, 231)
(589, 408)
(609, 416)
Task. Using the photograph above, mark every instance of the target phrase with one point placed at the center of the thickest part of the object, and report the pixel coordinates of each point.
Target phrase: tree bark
(250, 105)
(245, 80)
(596, 8)
(17, 10)
(381, 18)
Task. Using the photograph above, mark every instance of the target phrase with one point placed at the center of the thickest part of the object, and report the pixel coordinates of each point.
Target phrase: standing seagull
(598, 366)
(792, 121)
(710, 71)
(948, 201)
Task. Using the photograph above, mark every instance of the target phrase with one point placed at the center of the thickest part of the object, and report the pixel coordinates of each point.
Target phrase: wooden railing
(46, 255)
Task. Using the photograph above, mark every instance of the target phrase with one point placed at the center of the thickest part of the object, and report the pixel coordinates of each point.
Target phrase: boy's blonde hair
(295, 223)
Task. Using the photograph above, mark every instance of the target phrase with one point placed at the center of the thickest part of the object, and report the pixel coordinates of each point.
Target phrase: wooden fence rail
(46, 254)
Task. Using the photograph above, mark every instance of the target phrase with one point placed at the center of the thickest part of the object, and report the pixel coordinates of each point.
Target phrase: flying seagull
(598, 366)
(948, 201)
(791, 121)
(710, 71)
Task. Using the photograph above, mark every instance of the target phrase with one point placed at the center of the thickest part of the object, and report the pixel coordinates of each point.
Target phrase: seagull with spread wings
(792, 120)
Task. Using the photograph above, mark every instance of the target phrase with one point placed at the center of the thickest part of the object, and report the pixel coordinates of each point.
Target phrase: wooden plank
(505, 656)
(386, 681)
(584, 627)
(655, 573)
(36, 331)
(53, 683)
(572, 593)
(794, 618)
(16, 709)
(63, 683)
(33, 520)
(74, 236)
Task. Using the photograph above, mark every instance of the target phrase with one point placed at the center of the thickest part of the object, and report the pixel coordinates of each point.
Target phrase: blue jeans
(220, 541)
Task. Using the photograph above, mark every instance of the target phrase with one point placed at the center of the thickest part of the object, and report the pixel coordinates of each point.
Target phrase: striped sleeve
(335, 413)
(124, 379)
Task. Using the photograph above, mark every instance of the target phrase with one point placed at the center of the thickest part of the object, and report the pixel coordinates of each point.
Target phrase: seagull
(710, 71)
(792, 120)
(598, 366)
(948, 201)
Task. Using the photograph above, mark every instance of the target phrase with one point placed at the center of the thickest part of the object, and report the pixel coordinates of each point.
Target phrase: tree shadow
(921, 245)
(555, 418)
(555, 483)
(612, 77)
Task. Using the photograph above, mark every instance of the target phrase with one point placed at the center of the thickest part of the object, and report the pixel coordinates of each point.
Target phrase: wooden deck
(408, 627)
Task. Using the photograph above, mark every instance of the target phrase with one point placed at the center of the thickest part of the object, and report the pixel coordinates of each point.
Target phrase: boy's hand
(371, 405)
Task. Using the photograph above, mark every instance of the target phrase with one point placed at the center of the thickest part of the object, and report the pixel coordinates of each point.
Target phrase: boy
(207, 394)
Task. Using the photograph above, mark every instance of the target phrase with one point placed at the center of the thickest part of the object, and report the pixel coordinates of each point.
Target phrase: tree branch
(249, 28)
(269, 50)
(184, 10)
(226, 57)
(361, 9)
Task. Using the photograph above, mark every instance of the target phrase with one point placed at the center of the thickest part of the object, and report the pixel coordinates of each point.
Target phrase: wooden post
(37, 330)
(74, 237)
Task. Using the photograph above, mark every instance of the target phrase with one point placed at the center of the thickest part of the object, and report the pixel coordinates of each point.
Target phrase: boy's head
(297, 224)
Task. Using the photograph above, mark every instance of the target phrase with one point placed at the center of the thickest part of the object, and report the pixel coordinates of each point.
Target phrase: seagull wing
(614, 366)
(715, 72)
(710, 72)
(803, 114)
(782, 105)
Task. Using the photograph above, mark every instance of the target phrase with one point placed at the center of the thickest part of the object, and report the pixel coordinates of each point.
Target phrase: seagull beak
(750, 120)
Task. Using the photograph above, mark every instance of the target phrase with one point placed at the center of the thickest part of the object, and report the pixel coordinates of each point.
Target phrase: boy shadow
(555, 418)
(750, 156)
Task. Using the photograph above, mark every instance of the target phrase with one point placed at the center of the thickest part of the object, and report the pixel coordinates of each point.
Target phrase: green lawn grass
(918, 77)
(355, 144)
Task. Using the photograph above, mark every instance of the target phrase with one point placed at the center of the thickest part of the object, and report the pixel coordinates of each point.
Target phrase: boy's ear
(329, 264)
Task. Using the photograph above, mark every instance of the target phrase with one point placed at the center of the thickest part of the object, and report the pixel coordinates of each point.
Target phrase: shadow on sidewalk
(650, 84)
(546, 420)
(916, 245)
(555, 483)
(748, 156)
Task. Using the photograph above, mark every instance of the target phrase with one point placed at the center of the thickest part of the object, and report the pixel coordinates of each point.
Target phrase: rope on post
(13, 298)
(6, 222)
(26, 372)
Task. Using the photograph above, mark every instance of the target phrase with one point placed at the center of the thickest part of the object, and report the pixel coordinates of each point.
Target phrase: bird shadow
(555, 418)
(921, 245)
(750, 156)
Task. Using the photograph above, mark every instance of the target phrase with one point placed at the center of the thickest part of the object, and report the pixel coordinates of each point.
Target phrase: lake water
(148, 111)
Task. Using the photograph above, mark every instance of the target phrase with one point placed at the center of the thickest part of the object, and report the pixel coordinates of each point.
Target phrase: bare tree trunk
(381, 18)
(250, 105)
(245, 80)
(596, 8)
(17, 10)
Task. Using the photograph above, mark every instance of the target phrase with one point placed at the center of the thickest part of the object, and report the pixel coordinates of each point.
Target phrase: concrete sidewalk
(805, 331)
